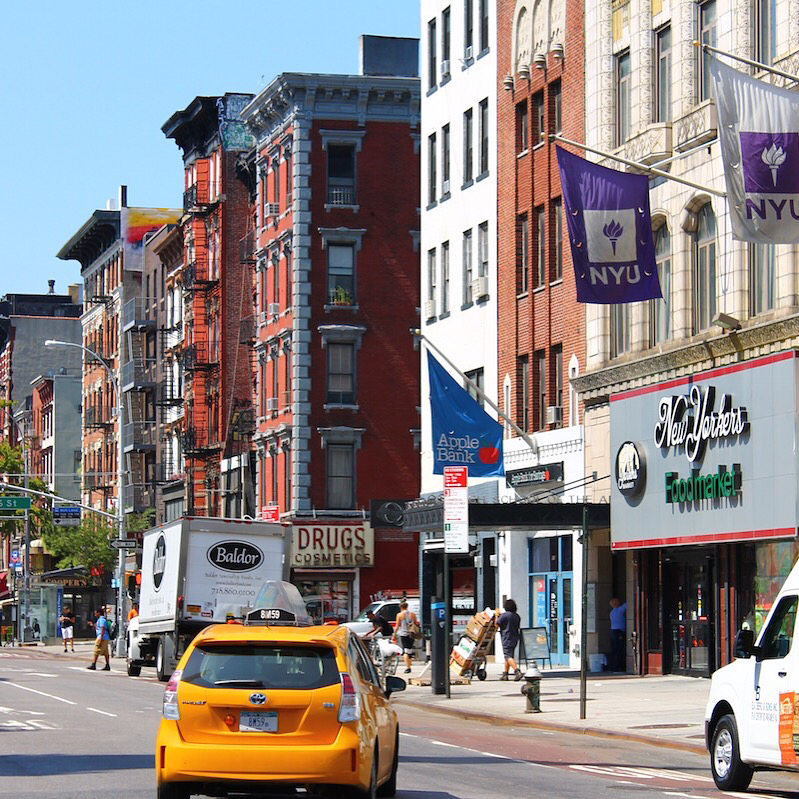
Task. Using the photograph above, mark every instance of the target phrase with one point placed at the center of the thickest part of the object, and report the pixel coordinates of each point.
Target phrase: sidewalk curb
(597, 732)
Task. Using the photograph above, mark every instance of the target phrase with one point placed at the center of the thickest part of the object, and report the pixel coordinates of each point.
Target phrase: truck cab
(752, 714)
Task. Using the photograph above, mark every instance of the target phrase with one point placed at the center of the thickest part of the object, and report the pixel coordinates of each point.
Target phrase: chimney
(51, 284)
(123, 196)
(74, 291)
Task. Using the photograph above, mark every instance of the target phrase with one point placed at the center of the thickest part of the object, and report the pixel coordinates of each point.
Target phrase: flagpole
(525, 436)
(636, 165)
(708, 48)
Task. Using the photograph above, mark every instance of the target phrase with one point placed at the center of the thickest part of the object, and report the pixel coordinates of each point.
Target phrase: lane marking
(41, 693)
(477, 751)
(103, 712)
(9, 710)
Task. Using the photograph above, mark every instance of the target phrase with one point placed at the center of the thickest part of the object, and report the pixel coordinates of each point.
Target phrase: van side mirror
(394, 684)
(744, 646)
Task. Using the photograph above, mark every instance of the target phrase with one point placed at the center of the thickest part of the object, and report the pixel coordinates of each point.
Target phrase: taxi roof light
(349, 709)
(171, 708)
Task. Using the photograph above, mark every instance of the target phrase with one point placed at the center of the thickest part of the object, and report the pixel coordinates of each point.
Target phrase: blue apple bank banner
(759, 137)
(610, 231)
(463, 433)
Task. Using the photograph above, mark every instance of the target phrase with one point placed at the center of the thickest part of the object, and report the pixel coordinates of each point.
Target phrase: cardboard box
(476, 627)
(465, 647)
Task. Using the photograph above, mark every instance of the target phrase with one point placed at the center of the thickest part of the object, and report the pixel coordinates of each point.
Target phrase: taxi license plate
(258, 722)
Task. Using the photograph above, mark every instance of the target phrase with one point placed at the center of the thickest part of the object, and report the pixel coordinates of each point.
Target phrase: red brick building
(337, 291)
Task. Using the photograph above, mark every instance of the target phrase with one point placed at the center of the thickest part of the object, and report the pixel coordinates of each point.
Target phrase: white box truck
(198, 571)
(752, 713)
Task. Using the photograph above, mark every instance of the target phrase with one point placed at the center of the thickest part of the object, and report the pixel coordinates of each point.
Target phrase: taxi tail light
(349, 709)
(171, 707)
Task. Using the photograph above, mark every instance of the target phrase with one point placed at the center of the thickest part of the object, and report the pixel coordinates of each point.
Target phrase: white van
(752, 714)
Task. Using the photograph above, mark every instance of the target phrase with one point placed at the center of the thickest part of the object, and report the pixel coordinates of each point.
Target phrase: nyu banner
(759, 136)
(610, 230)
(463, 433)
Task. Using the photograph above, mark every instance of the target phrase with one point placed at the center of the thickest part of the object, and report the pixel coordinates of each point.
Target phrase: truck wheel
(161, 668)
(133, 671)
(730, 773)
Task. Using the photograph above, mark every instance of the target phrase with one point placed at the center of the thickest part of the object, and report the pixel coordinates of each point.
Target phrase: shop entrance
(687, 606)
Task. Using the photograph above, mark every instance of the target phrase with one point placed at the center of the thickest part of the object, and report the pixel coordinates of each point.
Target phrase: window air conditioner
(554, 414)
(271, 404)
(430, 309)
(263, 317)
(445, 68)
(272, 209)
(274, 308)
(445, 187)
(479, 288)
(468, 53)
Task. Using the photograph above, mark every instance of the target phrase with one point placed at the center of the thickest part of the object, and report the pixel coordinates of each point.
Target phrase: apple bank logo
(463, 450)
(612, 253)
(630, 469)
(770, 163)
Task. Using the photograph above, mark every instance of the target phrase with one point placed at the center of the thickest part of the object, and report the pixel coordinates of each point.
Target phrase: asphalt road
(75, 734)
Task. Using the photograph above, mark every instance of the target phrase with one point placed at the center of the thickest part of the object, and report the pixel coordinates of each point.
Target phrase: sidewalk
(664, 711)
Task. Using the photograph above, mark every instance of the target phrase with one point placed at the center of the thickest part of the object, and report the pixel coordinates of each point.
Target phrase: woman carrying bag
(406, 628)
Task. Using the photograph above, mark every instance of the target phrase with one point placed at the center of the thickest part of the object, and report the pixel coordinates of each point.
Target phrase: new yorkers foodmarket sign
(720, 456)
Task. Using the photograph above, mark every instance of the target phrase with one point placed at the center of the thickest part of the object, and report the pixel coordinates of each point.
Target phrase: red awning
(4, 592)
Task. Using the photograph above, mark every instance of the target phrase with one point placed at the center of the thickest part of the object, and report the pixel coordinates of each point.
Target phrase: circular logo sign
(235, 556)
(630, 469)
(159, 561)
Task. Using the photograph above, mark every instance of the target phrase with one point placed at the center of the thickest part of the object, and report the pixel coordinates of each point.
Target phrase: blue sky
(87, 86)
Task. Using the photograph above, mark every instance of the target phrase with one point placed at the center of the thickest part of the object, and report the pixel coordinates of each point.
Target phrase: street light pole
(120, 576)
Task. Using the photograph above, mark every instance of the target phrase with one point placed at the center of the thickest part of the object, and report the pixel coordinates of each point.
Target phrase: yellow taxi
(277, 703)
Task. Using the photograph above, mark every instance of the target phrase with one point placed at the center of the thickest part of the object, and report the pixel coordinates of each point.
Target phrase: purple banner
(769, 162)
(610, 231)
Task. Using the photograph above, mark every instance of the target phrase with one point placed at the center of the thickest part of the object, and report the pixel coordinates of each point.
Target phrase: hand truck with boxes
(469, 654)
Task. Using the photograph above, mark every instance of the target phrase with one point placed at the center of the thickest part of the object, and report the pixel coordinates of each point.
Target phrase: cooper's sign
(332, 545)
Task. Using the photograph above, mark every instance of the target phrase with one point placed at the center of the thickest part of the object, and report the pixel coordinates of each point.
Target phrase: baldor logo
(159, 561)
(630, 469)
(235, 556)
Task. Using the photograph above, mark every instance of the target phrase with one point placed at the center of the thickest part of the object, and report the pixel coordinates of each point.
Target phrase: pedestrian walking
(618, 632)
(67, 622)
(101, 641)
(509, 624)
(406, 625)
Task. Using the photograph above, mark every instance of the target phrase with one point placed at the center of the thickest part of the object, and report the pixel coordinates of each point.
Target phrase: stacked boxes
(469, 654)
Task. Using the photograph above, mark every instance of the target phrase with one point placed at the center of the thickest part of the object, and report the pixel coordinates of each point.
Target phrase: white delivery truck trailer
(198, 571)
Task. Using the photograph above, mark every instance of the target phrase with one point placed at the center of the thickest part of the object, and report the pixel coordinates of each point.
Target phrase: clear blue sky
(87, 85)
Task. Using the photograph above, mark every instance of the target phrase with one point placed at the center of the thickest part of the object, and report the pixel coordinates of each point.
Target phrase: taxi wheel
(171, 790)
(730, 773)
(389, 787)
(371, 791)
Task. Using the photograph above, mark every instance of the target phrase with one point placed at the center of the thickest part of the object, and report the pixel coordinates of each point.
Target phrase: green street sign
(15, 503)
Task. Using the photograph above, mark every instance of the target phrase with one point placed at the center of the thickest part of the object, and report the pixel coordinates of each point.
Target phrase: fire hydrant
(532, 689)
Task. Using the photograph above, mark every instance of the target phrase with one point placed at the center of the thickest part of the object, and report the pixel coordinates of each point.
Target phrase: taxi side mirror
(394, 684)
(744, 646)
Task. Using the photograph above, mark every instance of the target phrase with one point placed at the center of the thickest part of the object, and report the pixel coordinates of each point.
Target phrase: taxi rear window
(261, 666)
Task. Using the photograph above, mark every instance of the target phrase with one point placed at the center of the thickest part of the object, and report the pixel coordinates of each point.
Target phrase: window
(619, 329)
(467, 267)
(341, 174)
(484, 137)
(467, 146)
(765, 32)
(431, 280)
(557, 106)
(663, 75)
(477, 377)
(445, 277)
(539, 119)
(622, 98)
(275, 375)
(707, 35)
(704, 269)
(432, 178)
(541, 374)
(541, 233)
(522, 122)
(341, 274)
(468, 29)
(340, 476)
(762, 278)
(482, 250)
(340, 373)
(286, 478)
(444, 161)
(432, 77)
(778, 636)
(446, 36)
(523, 381)
(522, 253)
(557, 212)
(276, 181)
(660, 310)
(557, 382)
(483, 25)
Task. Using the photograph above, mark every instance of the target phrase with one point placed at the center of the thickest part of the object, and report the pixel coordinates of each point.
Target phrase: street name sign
(15, 503)
(125, 543)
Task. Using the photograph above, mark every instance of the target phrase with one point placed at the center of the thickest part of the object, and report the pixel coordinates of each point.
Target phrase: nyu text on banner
(463, 433)
(610, 230)
(759, 137)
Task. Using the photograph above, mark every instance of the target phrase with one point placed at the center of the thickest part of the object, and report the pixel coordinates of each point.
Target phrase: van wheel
(730, 773)
(389, 787)
(133, 671)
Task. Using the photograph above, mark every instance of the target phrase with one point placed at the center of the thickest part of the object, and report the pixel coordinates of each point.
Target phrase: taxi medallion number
(262, 721)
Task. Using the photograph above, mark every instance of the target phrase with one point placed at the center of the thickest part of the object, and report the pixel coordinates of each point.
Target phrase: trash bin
(596, 662)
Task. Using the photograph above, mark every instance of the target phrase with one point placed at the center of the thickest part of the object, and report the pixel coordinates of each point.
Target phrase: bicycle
(383, 657)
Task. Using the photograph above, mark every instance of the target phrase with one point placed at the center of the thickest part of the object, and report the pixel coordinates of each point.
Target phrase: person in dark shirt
(509, 624)
(381, 626)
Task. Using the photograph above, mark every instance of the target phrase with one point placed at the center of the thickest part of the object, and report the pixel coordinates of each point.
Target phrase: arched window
(660, 310)
(704, 278)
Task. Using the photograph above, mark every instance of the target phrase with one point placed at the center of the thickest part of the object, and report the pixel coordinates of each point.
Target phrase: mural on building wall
(136, 223)
(233, 132)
